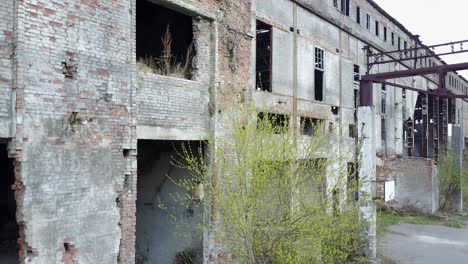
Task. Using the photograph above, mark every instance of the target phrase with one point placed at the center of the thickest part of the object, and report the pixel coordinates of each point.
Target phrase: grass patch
(384, 220)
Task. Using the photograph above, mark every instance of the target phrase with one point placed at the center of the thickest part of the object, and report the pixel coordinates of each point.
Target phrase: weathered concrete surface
(416, 182)
(425, 244)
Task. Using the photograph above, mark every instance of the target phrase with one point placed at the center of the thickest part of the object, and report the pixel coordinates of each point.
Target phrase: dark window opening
(356, 73)
(263, 57)
(383, 131)
(403, 93)
(352, 131)
(335, 110)
(9, 230)
(335, 3)
(347, 7)
(399, 43)
(274, 123)
(353, 182)
(405, 46)
(358, 14)
(393, 39)
(385, 34)
(319, 74)
(377, 28)
(368, 21)
(164, 40)
(311, 126)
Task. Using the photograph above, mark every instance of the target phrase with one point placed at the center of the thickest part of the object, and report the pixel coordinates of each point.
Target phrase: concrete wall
(162, 233)
(7, 12)
(416, 183)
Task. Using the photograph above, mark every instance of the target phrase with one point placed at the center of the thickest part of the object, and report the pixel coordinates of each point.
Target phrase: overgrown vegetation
(465, 181)
(168, 64)
(276, 197)
(449, 178)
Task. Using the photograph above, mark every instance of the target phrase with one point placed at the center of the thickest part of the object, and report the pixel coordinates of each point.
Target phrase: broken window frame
(319, 74)
(268, 57)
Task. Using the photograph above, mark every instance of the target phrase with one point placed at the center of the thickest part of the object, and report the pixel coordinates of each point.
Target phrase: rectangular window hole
(274, 123)
(164, 40)
(263, 57)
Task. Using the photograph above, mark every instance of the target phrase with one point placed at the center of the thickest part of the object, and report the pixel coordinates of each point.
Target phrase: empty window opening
(383, 101)
(356, 73)
(393, 39)
(164, 40)
(377, 28)
(168, 216)
(319, 74)
(335, 3)
(352, 131)
(399, 43)
(263, 57)
(383, 134)
(368, 21)
(273, 123)
(405, 46)
(385, 34)
(9, 230)
(312, 126)
(353, 180)
(335, 110)
(358, 14)
(345, 7)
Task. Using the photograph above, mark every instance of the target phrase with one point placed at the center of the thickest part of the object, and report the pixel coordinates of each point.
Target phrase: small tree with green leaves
(277, 196)
(449, 177)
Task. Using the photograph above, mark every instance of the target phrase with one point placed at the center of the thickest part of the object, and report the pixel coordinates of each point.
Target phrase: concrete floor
(425, 244)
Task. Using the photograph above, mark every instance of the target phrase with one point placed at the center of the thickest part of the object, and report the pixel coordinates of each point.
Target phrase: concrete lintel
(163, 133)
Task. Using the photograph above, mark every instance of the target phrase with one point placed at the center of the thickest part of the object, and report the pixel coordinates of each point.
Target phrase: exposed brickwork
(6, 70)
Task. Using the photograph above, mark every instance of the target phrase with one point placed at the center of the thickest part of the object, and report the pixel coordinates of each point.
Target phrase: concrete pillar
(367, 171)
(455, 142)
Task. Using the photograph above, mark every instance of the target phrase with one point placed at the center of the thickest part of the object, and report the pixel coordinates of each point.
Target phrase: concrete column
(455, 142)
(367, 171)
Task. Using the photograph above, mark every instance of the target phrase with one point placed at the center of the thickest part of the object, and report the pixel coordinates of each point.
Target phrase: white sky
(435, 21)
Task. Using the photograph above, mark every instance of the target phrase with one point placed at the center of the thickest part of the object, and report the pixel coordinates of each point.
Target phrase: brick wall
(6, 70)
(74, 82)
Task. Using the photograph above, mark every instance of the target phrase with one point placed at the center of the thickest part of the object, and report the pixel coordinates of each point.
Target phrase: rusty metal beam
(416, 57)
(416, 72)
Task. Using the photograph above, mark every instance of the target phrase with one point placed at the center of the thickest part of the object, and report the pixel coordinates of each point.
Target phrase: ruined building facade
(86, 132)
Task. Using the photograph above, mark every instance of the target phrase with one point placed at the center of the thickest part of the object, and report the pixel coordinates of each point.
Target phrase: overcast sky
(435, 21)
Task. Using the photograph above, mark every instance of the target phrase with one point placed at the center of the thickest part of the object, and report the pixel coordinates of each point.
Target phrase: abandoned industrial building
(95, 95)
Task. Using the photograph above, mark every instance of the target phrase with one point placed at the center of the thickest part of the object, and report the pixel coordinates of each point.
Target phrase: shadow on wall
(170, 233)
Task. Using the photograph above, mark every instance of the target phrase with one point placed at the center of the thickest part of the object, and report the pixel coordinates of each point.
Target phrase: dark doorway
(8, 226)
(168, 222)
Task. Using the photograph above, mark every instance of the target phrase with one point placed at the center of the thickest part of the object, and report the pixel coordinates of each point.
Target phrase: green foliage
(449, 177)
(275, 195)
